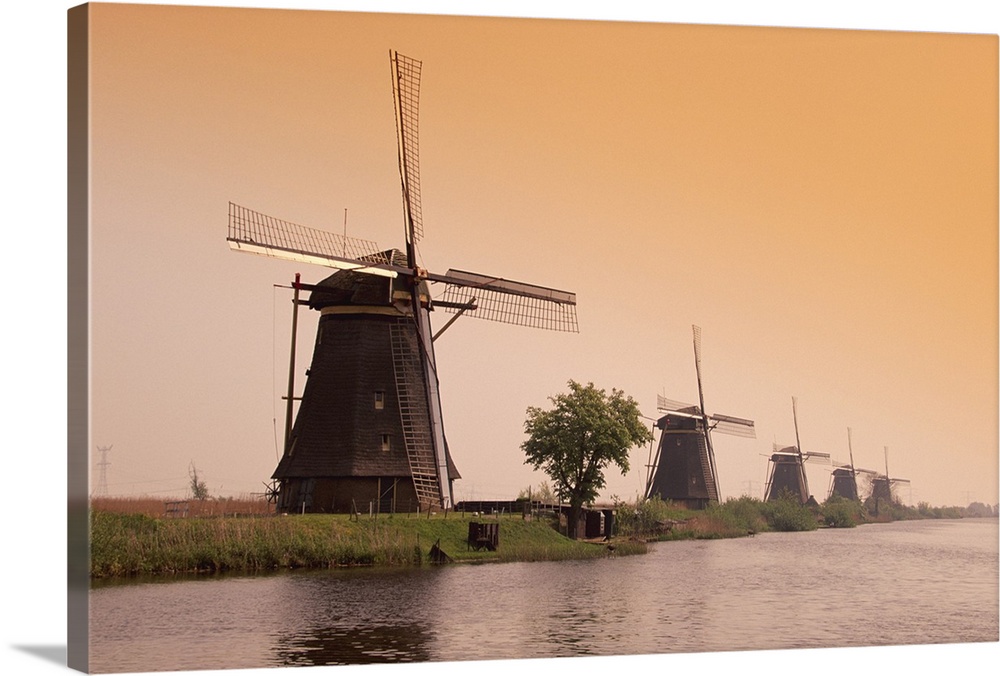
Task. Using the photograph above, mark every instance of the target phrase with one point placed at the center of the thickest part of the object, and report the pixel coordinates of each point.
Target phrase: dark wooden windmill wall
(844, 484)
(682, 472)
(347, 448)
(787, 474)
(882, 490)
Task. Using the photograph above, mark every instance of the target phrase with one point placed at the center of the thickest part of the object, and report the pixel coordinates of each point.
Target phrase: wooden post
(291, 365)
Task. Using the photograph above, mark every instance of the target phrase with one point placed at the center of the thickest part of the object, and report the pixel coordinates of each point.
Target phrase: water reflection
(354, 645)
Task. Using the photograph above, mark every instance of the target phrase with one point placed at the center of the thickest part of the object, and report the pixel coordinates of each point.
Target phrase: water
(889, 584)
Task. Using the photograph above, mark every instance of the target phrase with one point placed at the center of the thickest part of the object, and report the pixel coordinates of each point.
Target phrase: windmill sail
(253, 232)
(510, 302)
(711, 472)
(406, 93)
(737, 427)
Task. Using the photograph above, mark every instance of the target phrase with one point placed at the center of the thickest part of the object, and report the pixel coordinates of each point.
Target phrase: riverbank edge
(127, 545)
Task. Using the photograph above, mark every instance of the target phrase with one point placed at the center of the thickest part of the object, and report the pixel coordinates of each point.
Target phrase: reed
(243, 505)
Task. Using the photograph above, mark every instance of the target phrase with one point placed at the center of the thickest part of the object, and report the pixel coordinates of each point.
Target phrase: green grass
(135, 544)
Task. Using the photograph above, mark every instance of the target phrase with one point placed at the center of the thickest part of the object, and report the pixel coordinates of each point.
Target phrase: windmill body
(348, 446)
(844, 483)
(369, 432)
(684, 469)
(883, 486)
(787, 472)
(882, 489)
(787, 475)
(844, 477)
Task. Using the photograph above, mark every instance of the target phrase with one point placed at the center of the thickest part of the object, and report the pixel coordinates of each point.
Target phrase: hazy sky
(823, 203)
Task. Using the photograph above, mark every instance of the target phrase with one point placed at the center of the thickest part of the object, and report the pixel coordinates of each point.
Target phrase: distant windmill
(369, 429)
(683, 470)
(787, 473)
(883, 485)
(844, 477)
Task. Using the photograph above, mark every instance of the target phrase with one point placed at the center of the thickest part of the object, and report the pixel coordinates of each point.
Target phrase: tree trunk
(573, 519)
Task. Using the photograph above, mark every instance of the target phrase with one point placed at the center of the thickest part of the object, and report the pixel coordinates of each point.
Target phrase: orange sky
(823, 203)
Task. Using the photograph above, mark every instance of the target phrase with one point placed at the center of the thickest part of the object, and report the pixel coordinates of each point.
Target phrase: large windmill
(844, 477)
(683, 470)
(787, 473)
(369, 427)
(883, 485)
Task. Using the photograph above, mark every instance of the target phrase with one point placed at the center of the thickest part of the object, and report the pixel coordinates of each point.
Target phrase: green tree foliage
(584, 432)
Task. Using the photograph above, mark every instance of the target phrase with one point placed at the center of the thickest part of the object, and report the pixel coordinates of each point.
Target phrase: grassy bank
(657, 519)
(736, 517)
(135, 544)
(134, 538)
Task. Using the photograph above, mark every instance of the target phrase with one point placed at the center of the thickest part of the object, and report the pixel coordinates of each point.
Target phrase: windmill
(883, 485)
(369, 428)
(844, 477)
(684, 467)
(787, 468)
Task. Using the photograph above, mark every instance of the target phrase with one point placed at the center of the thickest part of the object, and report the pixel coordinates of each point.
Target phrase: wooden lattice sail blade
(674, 406)
(418, 434)
(737, 427)
(845, 464)
(253, 232)
(813, 456)
(406, 91)
(510, 302)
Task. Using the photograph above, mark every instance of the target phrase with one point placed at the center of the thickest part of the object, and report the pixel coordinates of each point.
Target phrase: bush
(740, 516)
(644, 517)
(839, 512)
(787, 514)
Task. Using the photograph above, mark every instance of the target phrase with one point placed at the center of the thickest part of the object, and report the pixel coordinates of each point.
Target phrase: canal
(904, 583)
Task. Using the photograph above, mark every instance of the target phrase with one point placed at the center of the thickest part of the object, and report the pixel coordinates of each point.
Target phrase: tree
(542, 493)
(584, 432)
(978, 510)
(199, 491)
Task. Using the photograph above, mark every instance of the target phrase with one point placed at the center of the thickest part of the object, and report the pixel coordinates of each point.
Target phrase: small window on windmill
(379, 400)
(385, 442)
